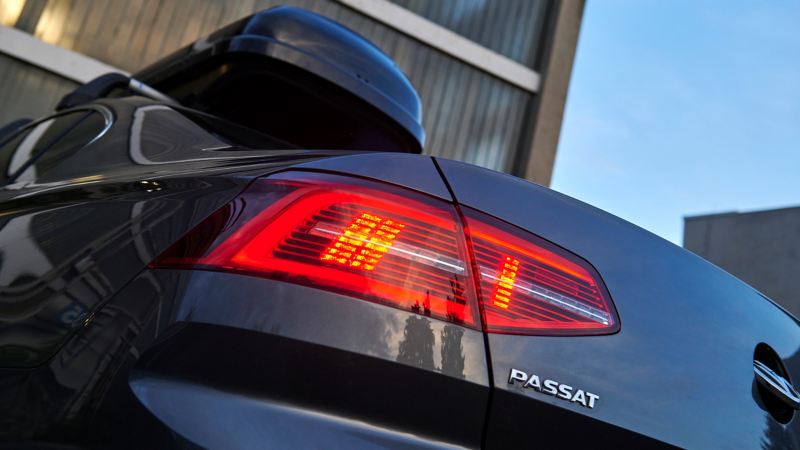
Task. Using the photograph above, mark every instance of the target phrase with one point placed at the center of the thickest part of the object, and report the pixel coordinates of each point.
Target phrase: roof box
(300, 77)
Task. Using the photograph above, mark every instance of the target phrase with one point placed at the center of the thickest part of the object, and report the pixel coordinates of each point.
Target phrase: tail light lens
(530, 286)
(392, 246)
(366, 240)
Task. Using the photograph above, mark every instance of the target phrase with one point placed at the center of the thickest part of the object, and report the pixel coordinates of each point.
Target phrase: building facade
(492, 74)
(761, 248)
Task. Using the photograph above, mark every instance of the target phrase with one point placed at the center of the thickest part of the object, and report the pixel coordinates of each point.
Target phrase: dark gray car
(242, 247)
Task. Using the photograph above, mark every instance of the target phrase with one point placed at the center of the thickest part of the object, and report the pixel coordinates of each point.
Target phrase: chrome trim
(108, 119)
(147, 91)
(776, 384)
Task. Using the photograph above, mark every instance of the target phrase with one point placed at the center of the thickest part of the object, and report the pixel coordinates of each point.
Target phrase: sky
(681, 108)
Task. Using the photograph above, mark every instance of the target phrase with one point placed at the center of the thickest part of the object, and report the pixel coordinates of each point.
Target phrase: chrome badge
(554, 388)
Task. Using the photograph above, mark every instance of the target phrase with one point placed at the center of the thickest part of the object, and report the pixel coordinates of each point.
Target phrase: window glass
(48, 144)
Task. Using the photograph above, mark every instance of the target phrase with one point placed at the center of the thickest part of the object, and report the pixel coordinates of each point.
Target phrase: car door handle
(779, 386)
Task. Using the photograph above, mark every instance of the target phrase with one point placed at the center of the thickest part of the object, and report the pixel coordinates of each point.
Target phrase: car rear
(196, 278)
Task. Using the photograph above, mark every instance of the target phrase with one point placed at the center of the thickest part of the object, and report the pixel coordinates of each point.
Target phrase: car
(243, 246)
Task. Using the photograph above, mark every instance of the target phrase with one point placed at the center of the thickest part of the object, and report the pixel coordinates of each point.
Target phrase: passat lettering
(554, 388)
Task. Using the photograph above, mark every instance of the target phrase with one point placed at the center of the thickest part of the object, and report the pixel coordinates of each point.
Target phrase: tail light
(396, 247)
(366, 240)
(530, 286)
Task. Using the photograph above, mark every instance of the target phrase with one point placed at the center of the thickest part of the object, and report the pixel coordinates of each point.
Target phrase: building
(762, 248)
(492, 74)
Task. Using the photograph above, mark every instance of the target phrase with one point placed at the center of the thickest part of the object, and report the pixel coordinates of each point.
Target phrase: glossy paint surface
(73, 235)
(89, 228)
(411, 171)
(245, 422)
(680, 369)
(317, 352)
(71, 239)
(324, 318)
(99, 350)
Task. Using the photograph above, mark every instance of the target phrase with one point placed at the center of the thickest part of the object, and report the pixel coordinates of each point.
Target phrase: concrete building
(762, 248)
(492, 74)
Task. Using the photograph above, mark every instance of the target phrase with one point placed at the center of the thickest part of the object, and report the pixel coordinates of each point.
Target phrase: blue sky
(681, 108)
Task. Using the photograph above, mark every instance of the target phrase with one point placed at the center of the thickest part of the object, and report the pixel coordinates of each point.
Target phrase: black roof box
(290, 71)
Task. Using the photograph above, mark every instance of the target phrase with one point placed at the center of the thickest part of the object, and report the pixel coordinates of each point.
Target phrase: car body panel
(73, 238)
(99, 226)
(265, 349)
(412, 171)
(679, 371)
(100, 347)
(65, 252)
(315, 353)
(245, 422)
(295, 312)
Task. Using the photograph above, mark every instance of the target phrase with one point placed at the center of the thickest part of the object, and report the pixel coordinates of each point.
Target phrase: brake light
(392, 246)
(366, 240)
(530, 286)
(363, 242)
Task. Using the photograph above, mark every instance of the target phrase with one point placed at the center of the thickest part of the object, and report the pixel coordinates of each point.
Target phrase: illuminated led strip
(410, 252)
(556, 299)
(507, 274)
(362, 243)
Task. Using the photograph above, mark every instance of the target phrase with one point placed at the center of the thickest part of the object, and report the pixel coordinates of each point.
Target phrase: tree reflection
(452, 351)
(416, 348)
(777, 437)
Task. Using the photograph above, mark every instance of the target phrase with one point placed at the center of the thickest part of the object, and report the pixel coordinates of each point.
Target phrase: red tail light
(530, 286)
(392, 246)
(365, 240)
